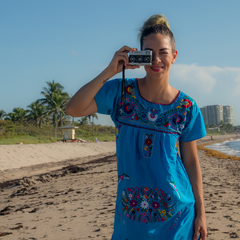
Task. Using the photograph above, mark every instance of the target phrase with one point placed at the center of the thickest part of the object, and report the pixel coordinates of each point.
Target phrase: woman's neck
(157, 90)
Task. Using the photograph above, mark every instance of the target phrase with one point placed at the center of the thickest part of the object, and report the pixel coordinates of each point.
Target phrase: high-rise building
(228, 114)
(214, 114)
(205, 114)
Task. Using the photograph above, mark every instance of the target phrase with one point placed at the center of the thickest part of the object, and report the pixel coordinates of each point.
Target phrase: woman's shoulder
(185, 100)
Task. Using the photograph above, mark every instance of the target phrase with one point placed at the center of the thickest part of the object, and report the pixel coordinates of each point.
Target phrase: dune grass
(14, 133)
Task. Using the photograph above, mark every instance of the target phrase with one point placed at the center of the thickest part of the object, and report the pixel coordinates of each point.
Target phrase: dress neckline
(136, 80)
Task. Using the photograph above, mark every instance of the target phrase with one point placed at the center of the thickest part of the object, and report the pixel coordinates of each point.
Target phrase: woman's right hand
(121, 57)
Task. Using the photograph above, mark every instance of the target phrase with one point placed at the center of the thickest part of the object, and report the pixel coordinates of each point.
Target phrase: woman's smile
(157, 68)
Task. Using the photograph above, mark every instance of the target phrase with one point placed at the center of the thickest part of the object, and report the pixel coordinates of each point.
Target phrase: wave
(231, 147)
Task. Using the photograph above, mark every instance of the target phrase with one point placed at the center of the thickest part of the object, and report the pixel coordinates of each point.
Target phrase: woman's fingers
(126, 49)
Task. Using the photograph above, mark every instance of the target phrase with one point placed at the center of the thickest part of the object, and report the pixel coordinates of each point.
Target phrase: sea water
(231, 147)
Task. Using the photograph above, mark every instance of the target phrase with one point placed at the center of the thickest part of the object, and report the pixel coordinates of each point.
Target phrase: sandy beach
(68, 191)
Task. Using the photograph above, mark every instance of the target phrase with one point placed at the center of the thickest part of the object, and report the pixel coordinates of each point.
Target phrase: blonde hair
(157, 23)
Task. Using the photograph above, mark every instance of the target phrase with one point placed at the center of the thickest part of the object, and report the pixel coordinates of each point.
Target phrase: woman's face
(162, 55)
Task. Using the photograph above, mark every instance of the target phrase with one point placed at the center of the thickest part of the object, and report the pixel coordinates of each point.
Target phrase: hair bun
(157, 19)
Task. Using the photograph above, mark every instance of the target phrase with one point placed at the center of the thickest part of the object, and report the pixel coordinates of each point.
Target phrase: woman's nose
(156, 58)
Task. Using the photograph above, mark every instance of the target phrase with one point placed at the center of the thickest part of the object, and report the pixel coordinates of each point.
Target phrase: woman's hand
(200, 228)
(121, 57)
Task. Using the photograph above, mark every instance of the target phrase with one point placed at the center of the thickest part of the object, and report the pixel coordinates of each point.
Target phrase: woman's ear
(174, 56)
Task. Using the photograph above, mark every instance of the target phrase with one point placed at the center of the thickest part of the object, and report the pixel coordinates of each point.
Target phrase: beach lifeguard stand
(68, 132)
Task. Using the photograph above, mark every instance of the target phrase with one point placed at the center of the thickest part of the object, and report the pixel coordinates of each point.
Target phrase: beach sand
(65, 196)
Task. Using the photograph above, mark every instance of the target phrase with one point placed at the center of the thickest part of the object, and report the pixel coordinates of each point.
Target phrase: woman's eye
(164, 53)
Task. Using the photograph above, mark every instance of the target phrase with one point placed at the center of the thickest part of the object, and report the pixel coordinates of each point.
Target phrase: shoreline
(217, 154)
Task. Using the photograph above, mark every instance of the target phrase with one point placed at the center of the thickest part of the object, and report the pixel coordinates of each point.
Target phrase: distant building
(228, 114)
(214, 114)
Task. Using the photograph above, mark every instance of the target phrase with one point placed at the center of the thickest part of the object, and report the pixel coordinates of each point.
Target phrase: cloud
(209, 85)
(73, 52)
(202, 78)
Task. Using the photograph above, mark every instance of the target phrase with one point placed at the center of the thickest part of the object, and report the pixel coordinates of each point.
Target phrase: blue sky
(73, 41)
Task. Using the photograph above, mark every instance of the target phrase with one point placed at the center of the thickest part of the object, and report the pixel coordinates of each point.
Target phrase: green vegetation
(224, 129)
(41, 121)
(16, 132)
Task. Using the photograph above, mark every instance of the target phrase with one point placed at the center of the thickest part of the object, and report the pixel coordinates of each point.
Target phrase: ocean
(231, 147)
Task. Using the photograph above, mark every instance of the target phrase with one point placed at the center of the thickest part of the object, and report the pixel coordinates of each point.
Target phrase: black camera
(140, 58)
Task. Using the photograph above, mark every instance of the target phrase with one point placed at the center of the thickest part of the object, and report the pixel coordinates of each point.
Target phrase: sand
(75, 198)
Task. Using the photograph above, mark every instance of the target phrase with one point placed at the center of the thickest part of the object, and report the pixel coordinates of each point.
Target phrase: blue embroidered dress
(154, 195)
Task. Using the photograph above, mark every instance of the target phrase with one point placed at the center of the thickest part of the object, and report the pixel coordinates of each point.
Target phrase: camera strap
(123, 95)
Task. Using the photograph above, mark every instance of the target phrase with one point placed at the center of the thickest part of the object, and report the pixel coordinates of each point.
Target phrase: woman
(159, 194)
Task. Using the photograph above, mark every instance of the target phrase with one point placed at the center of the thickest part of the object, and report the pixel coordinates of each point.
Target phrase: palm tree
(36, 114)
(83, 120)
(55, 101)
(94, 115)
(2, 114)
(18, 114)
(222, 125)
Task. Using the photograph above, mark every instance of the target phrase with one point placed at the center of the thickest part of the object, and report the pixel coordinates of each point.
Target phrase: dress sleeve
(195, 127)
(107, 98)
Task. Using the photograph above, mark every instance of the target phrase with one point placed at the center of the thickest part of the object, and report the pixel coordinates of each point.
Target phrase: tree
(18, 114)
(36, 114)
(94, 115)
(2, 114)
(222, 125)
(55, 101)
(229, 127)
(83, 120)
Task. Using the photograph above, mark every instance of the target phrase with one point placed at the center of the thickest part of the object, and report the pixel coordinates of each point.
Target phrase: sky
(72, 41)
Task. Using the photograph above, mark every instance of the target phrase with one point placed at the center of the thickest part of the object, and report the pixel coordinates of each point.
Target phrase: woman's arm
(83, 102)
(190, 160)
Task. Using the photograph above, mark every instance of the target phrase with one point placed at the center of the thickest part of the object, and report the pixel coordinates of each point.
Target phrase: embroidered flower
(121, 176)
(187, 103)
(128, 108)
(166, 125)
(147, 210)
(155, 205)
(144, 204)
(152, 115)
(128, 89)
(129, 189)
(133, 203)
(177, 119)
(148, 145)
(130, 195)
(148, 141)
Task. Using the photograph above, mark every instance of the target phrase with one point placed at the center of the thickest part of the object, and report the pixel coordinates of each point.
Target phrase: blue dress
(154, 195)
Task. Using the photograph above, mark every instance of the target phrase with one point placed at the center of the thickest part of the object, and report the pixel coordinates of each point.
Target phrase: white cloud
(203, 78)
(209, 85)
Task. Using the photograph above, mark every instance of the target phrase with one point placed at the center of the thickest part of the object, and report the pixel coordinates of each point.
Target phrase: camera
(140, 58)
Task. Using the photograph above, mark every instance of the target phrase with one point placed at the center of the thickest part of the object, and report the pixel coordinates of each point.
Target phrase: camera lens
(140, 59)
(147, 59)
(132, 59)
